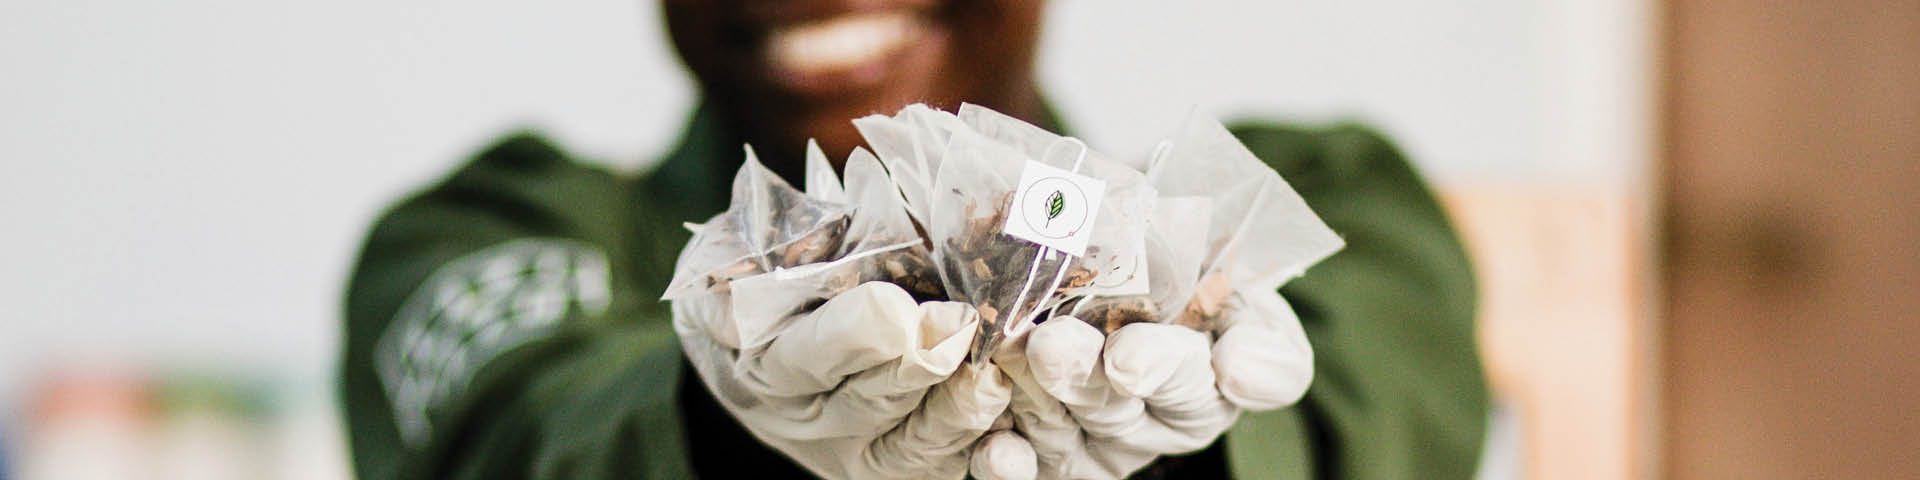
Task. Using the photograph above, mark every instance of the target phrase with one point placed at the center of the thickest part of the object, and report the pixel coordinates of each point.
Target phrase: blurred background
(1694, 221)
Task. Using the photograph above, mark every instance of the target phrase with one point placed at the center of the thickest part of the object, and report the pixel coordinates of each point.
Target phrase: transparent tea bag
(821, 183)
(767, 225)
(1176, 244)
(1260, 234)
(882, 222)
(763, 303)
(881, 246)
(1010, 280)
(911, 144)
(1129, 200)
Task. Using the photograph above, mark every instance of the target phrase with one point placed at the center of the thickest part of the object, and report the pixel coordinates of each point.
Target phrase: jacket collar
(695, 177)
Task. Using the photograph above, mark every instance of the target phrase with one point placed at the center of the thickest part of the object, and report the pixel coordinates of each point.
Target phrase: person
(505, 323)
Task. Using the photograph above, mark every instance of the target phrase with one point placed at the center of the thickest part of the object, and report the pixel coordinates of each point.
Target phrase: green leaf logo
(1056, 203)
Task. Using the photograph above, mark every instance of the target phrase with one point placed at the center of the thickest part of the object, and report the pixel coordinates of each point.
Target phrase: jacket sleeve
(1398, 390)
(494, 330)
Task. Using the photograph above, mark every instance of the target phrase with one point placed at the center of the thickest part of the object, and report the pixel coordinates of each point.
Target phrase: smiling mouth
(842, 52)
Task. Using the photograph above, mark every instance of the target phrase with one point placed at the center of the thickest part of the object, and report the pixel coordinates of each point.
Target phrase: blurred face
(786, 71)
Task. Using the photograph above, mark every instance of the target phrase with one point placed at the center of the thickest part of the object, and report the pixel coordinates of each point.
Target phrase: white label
(1121, 276)
(1055, 208)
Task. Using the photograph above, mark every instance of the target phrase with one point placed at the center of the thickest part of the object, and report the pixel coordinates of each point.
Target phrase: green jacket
(504, 323)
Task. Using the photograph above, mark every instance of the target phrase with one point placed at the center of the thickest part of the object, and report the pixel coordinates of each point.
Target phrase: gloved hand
(1094, 407)
(840, 389)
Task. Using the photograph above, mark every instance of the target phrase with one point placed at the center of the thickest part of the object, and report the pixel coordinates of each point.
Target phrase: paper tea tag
(1055, 208)
(1122, 276)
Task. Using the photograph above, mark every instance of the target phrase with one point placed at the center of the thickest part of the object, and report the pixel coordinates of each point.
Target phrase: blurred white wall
(185, 182)
(188, 180)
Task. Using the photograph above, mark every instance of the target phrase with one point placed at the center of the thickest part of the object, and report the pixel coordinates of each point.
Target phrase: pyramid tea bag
(881, 246)
(1260, 234)
(822, 184)
(1175, 246)
(768, 225)
(1013, 234)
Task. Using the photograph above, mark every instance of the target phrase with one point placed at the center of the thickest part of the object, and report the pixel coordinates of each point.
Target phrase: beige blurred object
(308, 441)
(1560, 327)
(110, 423)
(205, 444)
(88, 424)
(1793, 212)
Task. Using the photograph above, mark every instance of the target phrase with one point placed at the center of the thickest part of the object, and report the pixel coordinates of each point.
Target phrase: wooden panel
(1793, 162)
(1560, 325)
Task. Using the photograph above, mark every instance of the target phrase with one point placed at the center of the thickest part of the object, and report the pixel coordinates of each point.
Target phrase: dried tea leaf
(1208, 305)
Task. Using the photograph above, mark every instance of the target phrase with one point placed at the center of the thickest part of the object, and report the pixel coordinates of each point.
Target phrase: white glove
(1003, 455)
(840, 389)
(1094, 407)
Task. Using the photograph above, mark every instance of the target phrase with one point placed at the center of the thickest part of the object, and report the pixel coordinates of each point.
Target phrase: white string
(1153, 163)
(1014, 322)
(1077, 160)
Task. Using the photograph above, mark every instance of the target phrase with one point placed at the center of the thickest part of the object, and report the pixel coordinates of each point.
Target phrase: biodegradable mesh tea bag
(883, 224)
(881, 245)
(1260, 234)
(898, 145)
(1009, 279)
(822, 183)
(911, 144)
(768, 224)
(880, 216)
(1120, 232)
(978, 264)
(1176, 244)
(765, 302)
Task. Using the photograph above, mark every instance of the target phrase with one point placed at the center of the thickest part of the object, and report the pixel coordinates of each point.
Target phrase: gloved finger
(1058, 442)
(1064, 356)
(1062, 448)
(1003, 455)
(1141, 358)
(713, 361)
(934, 439)
(1263, 361)
(874, 400)
(862, 328)
(710, 315)
(1065, 359)
(1170, 367)
(936, 347)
